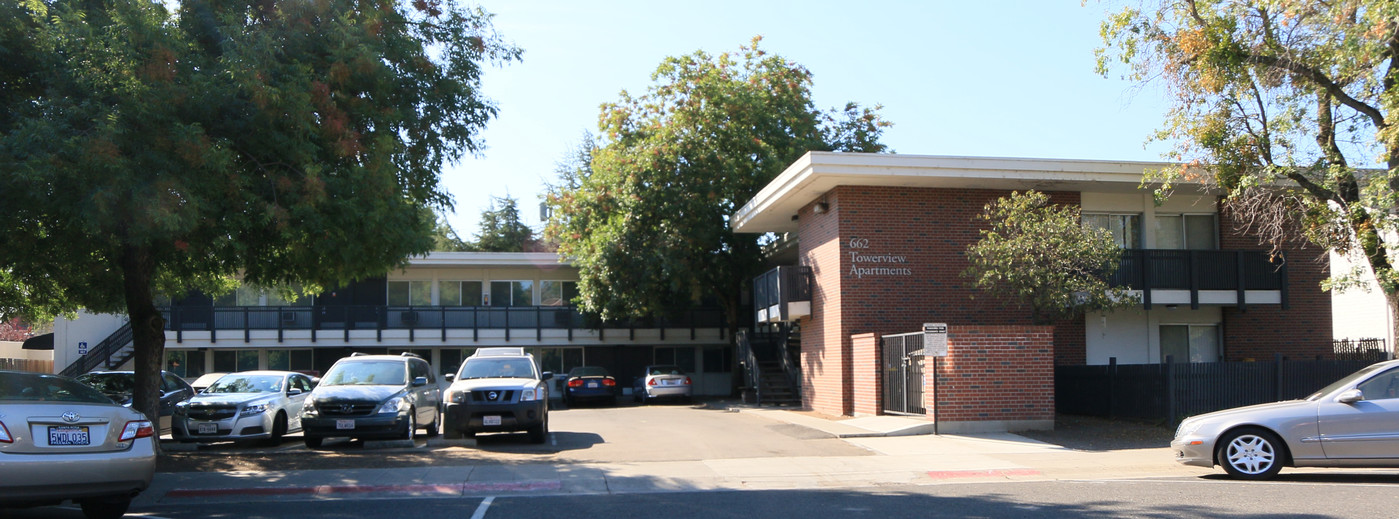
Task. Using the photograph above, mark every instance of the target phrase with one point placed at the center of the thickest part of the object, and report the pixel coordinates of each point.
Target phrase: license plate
(592, 384)
(490, 420)
(668, 382)
(344, 424)
(208, 428)
(68, 435)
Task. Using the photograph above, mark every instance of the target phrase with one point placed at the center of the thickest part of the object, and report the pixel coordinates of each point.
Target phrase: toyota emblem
(492, 395)
(71, 417)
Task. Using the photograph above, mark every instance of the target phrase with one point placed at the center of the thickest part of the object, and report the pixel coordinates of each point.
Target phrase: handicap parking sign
(82, 348)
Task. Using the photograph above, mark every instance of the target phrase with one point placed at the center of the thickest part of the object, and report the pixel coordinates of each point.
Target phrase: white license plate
(668, 382)
(490, 420)
(208, 428)
(592, 384)
(69, 435)
(344, 424)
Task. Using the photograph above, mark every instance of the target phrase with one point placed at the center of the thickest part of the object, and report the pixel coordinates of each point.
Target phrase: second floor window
(410, 293)
(557, 293)
(459, 293)
(1186, 231)
(1125, 228)
(512, 293)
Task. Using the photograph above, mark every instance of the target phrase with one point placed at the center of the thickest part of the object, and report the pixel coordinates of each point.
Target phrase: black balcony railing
(1196, 270)
(416, 319)
(782, 285)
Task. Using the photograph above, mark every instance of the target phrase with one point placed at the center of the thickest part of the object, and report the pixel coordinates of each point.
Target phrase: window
(451, 358)
(410, 293)
(1125, 228)
(232, 361)
(558, 360)
(1186, 231)
(1190, 342)
(557, 293)
(512, 293)
(683, 356)
(459, 293)
(1382, 387)
(185, 364)
(718, 359)
(290, 360)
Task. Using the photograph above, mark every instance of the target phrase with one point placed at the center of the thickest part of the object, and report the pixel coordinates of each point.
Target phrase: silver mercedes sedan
(244, 406)
(1354, 422)
(63, 440)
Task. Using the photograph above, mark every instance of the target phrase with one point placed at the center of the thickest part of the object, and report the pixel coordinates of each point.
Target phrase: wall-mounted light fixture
(821, 207)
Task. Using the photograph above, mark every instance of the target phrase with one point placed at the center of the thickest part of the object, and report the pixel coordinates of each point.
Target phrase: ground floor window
(1190, 342)
(682, 356)
(718, 359)
(557, 360)
(291, 360)
(451, 358)
(186, 364)
(232, 361)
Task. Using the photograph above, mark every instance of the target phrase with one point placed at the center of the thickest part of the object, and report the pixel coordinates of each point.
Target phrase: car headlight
(455, 396)
(252, 409)
(532, 394)
(308, 408)
(391, 406)
(1188, 428)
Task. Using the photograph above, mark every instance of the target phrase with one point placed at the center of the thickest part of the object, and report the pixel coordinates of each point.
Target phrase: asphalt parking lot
(624, 433)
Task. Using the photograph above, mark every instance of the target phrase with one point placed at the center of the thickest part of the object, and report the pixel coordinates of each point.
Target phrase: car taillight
(651, 382)
(577, 382)
(5, 434)
(609, 382)
(687, 381)
(137, 429)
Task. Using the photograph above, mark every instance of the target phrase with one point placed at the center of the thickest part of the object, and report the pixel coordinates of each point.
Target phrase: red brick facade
(993, 378)
(868, 384)
(1303, 331)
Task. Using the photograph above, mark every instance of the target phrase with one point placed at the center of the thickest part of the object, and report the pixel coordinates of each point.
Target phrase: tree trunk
(147, 332)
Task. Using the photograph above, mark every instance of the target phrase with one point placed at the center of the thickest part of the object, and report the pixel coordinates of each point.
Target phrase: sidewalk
(904, 453)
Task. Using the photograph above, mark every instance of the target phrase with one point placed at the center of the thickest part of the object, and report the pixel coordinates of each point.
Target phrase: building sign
(82, 348)
(935, 339)
(865, 263)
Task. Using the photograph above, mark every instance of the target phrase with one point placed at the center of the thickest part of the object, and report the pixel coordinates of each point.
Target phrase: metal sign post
(935, 345)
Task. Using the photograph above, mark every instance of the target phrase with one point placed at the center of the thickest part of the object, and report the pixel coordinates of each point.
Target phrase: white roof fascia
(816, 173)
(488, 259)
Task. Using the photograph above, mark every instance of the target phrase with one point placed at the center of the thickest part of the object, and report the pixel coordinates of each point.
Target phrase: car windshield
(496, 368)
(47, 388)
(1347, 380)
(246, 384)
(588, 371)
(367, 373)
(665, 370)
(110, 383)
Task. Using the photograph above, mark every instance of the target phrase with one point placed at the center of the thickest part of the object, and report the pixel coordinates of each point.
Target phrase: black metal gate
(902, 367)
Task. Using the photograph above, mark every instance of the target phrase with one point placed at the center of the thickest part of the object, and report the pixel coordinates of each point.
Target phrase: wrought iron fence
(1370, 349)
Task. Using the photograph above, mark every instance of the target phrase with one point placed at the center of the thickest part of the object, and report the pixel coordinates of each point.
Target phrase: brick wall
(868, 381)
(1303, 330)
(993, 378)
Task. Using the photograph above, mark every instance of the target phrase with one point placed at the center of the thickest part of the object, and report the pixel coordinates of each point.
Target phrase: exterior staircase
(112, 352)
(771, 360)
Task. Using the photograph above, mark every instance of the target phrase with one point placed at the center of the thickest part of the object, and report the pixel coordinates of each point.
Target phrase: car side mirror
(449, 377)
(419, 381)
(293, 391)
(547, 375)
(1350, 396)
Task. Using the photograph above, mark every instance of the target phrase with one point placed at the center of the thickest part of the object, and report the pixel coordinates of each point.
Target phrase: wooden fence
(1170, 392)
(36, 366)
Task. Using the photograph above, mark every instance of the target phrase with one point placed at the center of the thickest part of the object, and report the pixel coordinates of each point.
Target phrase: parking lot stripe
(481, 510)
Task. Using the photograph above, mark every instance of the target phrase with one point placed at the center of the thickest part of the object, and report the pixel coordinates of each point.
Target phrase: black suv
(373, 397)
(498, 390)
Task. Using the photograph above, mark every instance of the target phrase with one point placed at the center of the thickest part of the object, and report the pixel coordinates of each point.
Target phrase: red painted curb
(954, 474)
(322, 490)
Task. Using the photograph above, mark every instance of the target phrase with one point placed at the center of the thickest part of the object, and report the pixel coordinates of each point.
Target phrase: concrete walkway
(903, 455)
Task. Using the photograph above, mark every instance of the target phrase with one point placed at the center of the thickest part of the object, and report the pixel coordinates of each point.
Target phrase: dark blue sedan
(589, 383)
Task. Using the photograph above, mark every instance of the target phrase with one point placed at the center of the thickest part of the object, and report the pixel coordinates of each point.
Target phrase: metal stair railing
(100, 354)
(752, 373)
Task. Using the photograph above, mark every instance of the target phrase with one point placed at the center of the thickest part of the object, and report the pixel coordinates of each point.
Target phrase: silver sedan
(1350, 423)
(244, 406)
(62, 440)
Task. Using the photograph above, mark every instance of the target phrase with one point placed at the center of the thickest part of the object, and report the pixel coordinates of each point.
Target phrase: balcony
(1195, 277)
(415, 319)
(782, 294)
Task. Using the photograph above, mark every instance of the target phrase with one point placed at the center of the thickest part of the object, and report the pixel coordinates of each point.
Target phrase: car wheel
(411, 427)
(279, 429)
(110, 507)
(1251, 454)
(432, 427)
(540, 432)
(314, 442)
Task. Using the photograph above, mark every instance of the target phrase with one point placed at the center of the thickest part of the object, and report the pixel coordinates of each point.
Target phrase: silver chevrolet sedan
(1354, 422)
(63, 440)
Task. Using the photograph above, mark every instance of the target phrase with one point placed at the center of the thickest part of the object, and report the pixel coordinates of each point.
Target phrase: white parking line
(481, 510)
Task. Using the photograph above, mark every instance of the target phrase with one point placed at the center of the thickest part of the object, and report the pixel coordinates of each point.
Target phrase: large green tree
(646, 218)
(502, 230)
(156, 147)
(1288, 107)
(1037, 254)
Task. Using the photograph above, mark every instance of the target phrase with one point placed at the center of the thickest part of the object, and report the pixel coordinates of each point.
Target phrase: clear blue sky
(995, 78)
